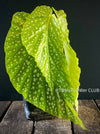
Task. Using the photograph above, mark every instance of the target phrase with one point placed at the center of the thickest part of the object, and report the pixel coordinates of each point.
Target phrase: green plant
(41, 64)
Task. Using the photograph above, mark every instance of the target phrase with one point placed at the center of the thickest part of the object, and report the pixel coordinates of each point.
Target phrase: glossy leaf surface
(27, 77)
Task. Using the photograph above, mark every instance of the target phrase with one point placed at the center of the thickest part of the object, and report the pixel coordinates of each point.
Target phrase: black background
(84, 25)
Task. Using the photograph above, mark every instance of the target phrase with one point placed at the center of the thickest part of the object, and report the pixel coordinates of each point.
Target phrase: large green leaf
(42, 38)
(72, 60)
(28, 79)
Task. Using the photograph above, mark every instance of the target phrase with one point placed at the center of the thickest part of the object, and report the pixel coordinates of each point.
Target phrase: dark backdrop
(84, 25)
